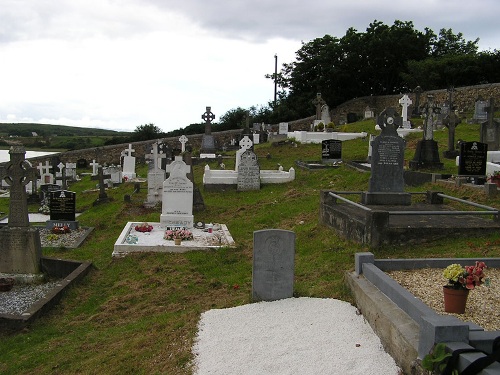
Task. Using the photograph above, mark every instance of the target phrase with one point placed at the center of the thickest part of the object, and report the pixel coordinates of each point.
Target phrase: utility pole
(275, 77)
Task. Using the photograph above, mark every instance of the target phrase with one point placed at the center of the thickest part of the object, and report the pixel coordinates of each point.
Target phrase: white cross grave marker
(129, 150)
(95, 167)
(183, 139)
(405, 102)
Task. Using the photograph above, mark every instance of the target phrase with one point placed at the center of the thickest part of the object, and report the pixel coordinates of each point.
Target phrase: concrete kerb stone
(430, 327)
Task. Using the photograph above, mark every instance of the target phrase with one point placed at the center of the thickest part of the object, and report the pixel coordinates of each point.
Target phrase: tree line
(382, 60)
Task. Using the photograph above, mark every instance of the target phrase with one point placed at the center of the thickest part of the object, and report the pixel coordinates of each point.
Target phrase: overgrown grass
(138, 314)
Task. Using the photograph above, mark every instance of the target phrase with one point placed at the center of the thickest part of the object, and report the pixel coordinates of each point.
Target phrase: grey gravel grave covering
(21, 297)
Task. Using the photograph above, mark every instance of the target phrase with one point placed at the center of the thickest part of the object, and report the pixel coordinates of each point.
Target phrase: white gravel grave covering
(290, 336)
(22, 296)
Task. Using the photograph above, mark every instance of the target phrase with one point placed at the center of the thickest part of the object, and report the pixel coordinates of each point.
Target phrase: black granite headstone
(45, 191)
(331, 150)
(62, 205)
(472, 159)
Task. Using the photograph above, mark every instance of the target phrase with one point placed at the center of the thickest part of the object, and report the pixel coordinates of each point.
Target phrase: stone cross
(389, 121)
(178, 168)
(17, 174)
(430, 111)
(102, 188)
(129, 150)
(451, 121)
(405, 102)
(183, 139)
(318, 102)
(490, 130)
(61, 166)
(44, 169)
(418, 91)
(95, 167)
(154, 156)
(245, 143)
(208, 117)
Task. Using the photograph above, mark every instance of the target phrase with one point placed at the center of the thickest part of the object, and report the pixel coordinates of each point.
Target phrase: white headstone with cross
(245, 144)
(45, 176)
(177, 197)
(128, 163)
(95, 167)
(183, 139)
(156, 176)
(405, 102)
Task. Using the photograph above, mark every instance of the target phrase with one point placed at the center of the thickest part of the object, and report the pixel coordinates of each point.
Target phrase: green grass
(138, 314)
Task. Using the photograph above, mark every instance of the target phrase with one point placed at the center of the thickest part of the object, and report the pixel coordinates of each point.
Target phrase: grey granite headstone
(490, 129)
(387, 163)
(248, 172)
(480, 110)
(208, 142)
(273, 264)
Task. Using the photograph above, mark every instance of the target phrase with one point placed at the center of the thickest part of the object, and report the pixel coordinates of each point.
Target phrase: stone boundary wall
(111, 154)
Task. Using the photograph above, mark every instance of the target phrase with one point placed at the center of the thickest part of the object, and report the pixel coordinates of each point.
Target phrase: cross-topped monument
(156, 176)
(245, 144)
(405, 102)
(183, 140)
(20, 248)
(451, 121)
(208, 142)
(416, 109)
(318, 102)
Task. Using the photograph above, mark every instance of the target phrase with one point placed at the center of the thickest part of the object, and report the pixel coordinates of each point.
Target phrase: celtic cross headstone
(208, 142)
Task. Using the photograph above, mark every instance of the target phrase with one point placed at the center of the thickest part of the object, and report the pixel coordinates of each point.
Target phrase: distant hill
(47, 130)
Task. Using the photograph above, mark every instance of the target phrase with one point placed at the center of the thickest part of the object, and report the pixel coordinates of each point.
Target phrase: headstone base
(382, 198)
(129, 175)
(71, 224)
(208, 156)
(21, 250)
(185, 221)
(426, 156)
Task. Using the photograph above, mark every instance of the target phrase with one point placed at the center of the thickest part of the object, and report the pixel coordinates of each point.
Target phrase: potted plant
(177, 235)
(460, 281)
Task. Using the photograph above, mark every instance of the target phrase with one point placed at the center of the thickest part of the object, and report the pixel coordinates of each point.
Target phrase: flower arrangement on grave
(61, 230)
(144, 227)
(182, 234)
(467, 277)
(44, 209)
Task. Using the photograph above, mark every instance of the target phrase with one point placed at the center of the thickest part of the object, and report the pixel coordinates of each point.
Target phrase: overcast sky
(117, 64)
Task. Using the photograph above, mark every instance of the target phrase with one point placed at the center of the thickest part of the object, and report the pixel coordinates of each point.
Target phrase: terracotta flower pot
(455, 300)
(177, 241)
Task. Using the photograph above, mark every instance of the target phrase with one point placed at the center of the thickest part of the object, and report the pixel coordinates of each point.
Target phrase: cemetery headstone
(128, 169)
(208, 141)
(386, 181)
(95, 167)
(45, 191)
(451, 121)
(71, 171)
(156, 176)
(62, 209)
(81, 163)
(103, 197)
(177, 198)
(405, 102)
(283, 128)
(273, 265)
(331, 151)
(480, 113)
(318, 102)
(472, 161)
(245, 144)
(416, 109)
(490, 129)
(325, 114)
(183, 140)
(427, 152)
(369, 113)
(248, 172)
(20, 247)
(45, 176)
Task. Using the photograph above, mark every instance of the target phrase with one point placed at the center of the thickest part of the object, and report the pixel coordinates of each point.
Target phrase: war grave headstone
(20, 247)
(208, 142)
(490, 129)
(427, 152)
(128, 169)
(472, 161)
(331, 151)
(156, 176)
(386, 185)
(62, 210)
(405, 102)
(273, 264)
(177, 197)
(248, 172)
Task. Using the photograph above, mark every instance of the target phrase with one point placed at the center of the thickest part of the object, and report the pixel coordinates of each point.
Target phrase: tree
(233, 119)
(146, 132)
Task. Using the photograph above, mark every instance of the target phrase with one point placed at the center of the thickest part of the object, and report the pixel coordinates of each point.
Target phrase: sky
(119, 64)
